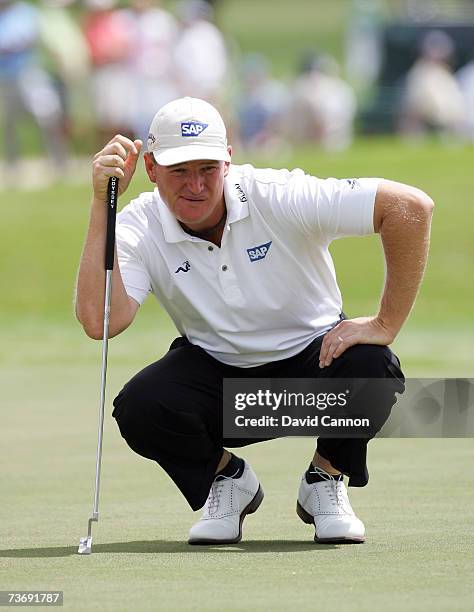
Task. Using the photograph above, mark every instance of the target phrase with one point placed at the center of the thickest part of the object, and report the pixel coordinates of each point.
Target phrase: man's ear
(150, 166)
(227, 164)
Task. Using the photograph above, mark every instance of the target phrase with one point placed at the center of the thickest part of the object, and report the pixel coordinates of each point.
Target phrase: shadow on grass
(167, 546)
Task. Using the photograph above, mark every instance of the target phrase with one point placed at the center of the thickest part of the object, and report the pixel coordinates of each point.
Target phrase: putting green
(418, 512)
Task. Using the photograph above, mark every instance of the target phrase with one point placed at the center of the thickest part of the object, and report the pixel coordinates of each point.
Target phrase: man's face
(193, 191)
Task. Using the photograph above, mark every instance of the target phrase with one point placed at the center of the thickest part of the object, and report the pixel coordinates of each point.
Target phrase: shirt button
(210, 248)
(224, 268)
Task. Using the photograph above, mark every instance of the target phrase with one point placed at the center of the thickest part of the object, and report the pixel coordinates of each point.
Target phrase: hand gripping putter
(85, 544)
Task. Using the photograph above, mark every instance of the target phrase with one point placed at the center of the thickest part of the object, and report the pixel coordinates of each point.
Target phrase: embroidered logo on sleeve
(353, 183)
(184, 267)
(259, 252)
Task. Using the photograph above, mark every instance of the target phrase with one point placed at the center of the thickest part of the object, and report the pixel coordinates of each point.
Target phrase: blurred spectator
(109, 35)
(432, 100)
(66, 59)
(200, 54)
(154, 32)
(323, 106)
(363, 51)
(465, 79)
(24, 85)
(261, 106)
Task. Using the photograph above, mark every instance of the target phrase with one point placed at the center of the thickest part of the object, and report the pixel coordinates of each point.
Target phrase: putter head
(85, 546)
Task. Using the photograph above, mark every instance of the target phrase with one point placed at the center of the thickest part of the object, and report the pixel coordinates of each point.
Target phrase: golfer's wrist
(391, 325)
(98, 199)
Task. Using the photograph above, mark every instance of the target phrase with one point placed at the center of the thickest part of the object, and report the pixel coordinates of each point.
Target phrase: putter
(85, 544)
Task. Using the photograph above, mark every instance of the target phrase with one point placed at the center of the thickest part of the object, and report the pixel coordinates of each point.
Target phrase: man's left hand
(361, 330)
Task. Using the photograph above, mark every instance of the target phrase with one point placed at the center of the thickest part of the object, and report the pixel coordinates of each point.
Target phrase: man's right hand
(118, 158)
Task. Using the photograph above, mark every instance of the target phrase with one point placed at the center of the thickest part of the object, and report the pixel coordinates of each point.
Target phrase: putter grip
(112, 194)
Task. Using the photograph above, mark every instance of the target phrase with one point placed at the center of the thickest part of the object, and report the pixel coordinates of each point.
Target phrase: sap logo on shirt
(192, 128)
(259, 252)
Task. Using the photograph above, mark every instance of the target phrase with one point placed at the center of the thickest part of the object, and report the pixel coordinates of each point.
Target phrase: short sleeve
(338, 207)
(132, 268)
(331, 208)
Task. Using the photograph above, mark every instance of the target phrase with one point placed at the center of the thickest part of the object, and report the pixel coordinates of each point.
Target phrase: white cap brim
(179, 155)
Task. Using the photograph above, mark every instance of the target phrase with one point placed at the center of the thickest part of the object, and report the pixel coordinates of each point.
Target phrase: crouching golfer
(274, 315)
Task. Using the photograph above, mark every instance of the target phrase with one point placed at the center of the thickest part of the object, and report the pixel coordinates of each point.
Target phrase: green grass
(418, 507)
(419, 519)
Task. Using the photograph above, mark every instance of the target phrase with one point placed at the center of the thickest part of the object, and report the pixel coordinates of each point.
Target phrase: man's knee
(364, 362)
(370, 361)
(131, 409)
(161, 418)
(143, 401)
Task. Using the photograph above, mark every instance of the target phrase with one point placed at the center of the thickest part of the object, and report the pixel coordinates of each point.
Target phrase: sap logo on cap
(259, 252)
(192, 128)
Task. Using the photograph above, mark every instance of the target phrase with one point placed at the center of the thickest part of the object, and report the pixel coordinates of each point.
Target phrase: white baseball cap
(185, 130)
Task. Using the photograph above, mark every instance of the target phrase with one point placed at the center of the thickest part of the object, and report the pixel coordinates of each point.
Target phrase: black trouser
(171, 411)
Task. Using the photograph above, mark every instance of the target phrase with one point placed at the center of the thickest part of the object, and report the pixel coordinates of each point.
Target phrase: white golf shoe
(326, 505)
(228, 502)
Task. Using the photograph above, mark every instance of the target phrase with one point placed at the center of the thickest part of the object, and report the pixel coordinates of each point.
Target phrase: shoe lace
(332, 485)
(213, 499)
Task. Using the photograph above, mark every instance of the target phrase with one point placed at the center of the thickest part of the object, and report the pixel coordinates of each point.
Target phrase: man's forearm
(405, 234)
(90, 291)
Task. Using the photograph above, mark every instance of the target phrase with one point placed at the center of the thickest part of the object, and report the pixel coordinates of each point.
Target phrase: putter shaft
(105, 347)
(86, 543)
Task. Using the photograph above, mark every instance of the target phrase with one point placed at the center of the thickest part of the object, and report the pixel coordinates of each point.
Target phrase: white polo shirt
(271, 288)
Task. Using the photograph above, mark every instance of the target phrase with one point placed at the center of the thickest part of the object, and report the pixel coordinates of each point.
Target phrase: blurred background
(339, 87)
(72, 74)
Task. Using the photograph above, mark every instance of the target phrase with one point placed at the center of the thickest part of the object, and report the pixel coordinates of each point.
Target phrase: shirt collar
(235, 197)
(236, 204)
